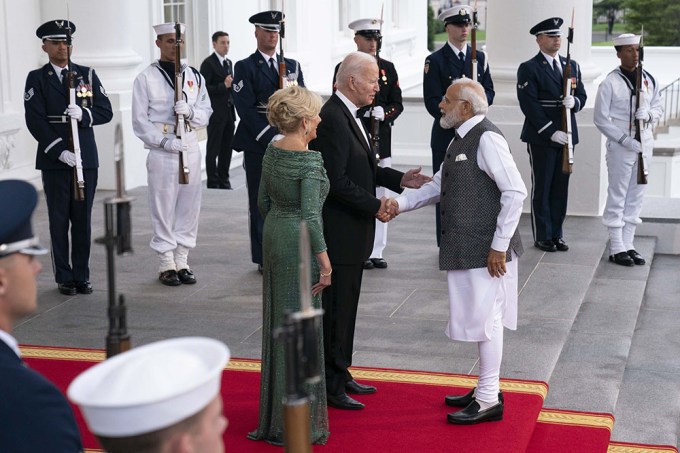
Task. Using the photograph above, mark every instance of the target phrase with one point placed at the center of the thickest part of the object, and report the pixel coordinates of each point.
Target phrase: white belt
(170, 128)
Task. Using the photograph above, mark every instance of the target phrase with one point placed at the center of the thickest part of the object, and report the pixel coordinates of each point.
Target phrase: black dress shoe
(169, 278)
(213, 185)
(622, 259)
(260, 269)
(68, 288)
(546, 246)
(636, 257)
(225, 185)
(464, 400)
(379, 263)
(368, 264)
(359, 389)
(560, 245)
(343, 401)
(186, 276)
(84, 287)
(471, 415)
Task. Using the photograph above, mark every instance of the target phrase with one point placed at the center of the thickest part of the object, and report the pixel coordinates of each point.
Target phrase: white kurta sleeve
(428, 194)
(494, 159)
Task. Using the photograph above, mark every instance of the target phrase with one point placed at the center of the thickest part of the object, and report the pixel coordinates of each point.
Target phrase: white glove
(68, 158)
(560, 137)
(569, 101)
(378, 113)
(174, 145)
(642, 114)
(632, 145)
(74, 112)
(182, 108)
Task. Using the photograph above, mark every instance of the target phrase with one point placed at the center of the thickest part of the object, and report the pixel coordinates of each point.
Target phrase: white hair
(474, 93)
(353, 65)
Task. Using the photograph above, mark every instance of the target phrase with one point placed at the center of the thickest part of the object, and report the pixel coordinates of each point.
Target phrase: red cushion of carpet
(400, 417)
(571, 432)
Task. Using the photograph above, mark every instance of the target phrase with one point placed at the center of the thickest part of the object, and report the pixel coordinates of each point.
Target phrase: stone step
(648, 407)
(590, 368)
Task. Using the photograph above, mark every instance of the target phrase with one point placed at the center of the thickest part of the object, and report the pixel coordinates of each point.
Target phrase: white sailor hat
(150, 387)
(55, 30)
(167, 28)
(550, 27)
(366, 27)
(17, 202)
(627, 39)
(459, 14)
(267, 20)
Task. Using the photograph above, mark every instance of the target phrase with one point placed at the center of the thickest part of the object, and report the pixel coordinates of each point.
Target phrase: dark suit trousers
(66, 214)
(218, 150)
(253, 164)
(340, 302)
(550, 188)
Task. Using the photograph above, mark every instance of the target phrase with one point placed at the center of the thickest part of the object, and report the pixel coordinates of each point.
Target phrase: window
(174, 11)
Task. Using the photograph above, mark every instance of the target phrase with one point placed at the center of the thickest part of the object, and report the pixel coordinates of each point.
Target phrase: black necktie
(64, 78)
(461, 56)
(556, 69)
(272, 66)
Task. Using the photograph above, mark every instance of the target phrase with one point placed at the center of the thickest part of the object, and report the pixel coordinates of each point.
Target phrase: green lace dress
(293, 187)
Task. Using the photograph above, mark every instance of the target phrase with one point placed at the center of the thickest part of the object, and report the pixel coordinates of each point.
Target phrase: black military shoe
(464, 400)
(84, 287)
(379, 263)
(472, 414)
(622, 259)
(560, 245)
(169, 278)
(546, 246)
(186, 276)
(67, 289)
(636, 257)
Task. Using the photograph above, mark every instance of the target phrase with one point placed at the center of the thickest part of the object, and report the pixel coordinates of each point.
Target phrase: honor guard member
(33, 412)
(160, 397)
(48, 118)
(615, 116)
(174, 207)
(256, 78)
(453, 61)
(540, 93)
(218, 72)
(388, 106)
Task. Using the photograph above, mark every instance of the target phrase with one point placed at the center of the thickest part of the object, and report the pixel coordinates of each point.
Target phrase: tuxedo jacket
(221, 97)
(540, 94)
(34, 415)
(253, 84)
(353, 171)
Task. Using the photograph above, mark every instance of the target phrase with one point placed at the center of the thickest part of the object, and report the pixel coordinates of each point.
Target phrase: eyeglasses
(446, 101)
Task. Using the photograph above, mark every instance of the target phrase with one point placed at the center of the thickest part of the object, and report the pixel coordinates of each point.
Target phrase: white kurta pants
(174, 207)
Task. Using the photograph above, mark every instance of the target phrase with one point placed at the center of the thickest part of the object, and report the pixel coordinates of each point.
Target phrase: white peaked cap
(365, 25)
(166, 29)
(627, 39)
(150, 387)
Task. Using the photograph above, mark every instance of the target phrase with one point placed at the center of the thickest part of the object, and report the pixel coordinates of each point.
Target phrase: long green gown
(293, 187)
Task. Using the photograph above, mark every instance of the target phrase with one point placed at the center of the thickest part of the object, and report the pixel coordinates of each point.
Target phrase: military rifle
(642, 171)
(117, 239)
(473, 43)
(282, 61)
(375, 122)
(300, 335)
(568, 87)
(179, 95)
(73, 137)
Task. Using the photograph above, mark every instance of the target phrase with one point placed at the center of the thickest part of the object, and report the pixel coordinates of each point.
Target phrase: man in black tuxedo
(34, 415)
(218, 72)
(349, 215)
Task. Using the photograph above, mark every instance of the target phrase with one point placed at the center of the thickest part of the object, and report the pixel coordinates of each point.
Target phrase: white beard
(447, 121)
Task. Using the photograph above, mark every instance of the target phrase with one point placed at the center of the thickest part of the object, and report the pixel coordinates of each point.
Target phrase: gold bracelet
(326, 275)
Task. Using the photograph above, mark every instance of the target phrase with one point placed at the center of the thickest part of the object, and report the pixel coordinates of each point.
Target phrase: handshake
(389, 209)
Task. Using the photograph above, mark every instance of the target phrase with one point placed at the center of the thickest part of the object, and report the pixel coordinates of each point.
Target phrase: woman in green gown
(293, 187)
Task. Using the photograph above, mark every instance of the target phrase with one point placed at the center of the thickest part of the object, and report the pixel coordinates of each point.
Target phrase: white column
(508, 45)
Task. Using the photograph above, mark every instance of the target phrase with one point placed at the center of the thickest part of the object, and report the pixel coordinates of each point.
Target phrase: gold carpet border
(409, 377)
(615, 447)
(558, 417)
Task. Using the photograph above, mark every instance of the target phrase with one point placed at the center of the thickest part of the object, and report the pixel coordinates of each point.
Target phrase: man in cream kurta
(174, 208)
(480, 192)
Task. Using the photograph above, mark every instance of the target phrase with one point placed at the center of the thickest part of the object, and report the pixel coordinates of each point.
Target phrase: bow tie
(362, 111)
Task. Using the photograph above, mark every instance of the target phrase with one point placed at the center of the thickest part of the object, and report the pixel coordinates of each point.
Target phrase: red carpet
(407, 414)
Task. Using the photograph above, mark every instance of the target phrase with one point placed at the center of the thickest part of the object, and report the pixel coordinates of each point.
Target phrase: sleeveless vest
(469, 205)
